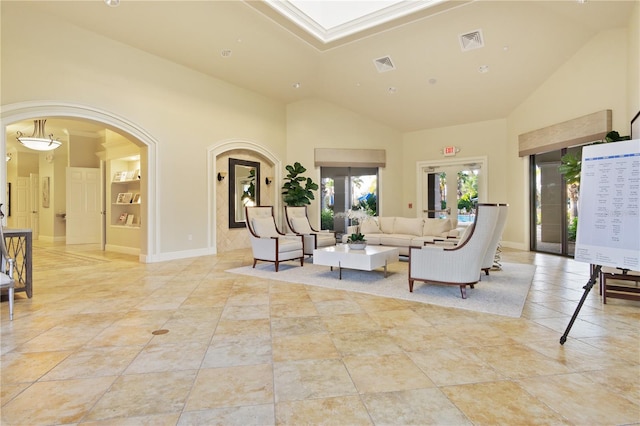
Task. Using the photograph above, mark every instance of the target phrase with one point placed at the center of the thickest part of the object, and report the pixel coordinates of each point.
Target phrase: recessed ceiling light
(225, 53)
(296, 85)
(112, 3)
(392, 90)
(432, 81)
(483, 69)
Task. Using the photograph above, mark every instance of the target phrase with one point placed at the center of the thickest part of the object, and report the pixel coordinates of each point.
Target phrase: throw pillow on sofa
(408, 226)
(386, 224)
(436, 227)
(369, 226)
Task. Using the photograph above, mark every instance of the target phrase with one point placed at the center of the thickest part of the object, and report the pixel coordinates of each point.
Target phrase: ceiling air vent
(384, 64)
(472, 40)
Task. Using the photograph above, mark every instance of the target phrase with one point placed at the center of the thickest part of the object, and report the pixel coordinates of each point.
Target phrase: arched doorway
(29, 110)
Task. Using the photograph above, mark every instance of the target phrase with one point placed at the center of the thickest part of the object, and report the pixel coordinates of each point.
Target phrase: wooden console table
(19, 246)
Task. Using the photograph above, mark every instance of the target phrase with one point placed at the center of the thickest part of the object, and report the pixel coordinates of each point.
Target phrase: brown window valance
(337, 157)
(578, 131)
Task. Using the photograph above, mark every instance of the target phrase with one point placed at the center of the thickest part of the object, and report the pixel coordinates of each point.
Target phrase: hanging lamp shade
(39, 141)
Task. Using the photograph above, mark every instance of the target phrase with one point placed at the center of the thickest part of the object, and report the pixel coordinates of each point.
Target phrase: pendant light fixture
(39, 141)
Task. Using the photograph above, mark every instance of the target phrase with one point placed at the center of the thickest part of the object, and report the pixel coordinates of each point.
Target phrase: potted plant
(357, 241)
(571, 165)
(293, 192)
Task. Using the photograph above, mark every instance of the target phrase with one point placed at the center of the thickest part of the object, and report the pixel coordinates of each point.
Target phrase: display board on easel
(609, 207)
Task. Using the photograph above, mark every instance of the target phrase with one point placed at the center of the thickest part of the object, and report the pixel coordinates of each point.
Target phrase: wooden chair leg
(463, 291)
(410, 286)
(254, 262)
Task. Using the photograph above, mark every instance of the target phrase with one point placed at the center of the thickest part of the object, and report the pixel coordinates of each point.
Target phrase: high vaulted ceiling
(434, 82)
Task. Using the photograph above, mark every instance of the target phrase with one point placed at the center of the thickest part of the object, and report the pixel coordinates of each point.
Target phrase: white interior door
(21, 207)
(84, 216)
(33, 197)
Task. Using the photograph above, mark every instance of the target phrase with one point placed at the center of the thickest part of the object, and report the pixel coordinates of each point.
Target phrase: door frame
(11, 113)
(426, 166)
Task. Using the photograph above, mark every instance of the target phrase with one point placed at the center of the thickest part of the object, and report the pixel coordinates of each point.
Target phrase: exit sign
(449, 150)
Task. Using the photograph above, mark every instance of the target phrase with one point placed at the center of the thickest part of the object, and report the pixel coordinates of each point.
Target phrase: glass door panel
(554, 204)
(345, 188)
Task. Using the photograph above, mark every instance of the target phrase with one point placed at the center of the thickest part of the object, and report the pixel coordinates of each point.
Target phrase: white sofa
(404, 232)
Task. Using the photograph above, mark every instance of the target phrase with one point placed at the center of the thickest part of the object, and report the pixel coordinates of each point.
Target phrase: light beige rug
(502, 292)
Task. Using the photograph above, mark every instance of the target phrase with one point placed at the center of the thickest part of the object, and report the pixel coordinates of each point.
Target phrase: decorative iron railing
(19, 247)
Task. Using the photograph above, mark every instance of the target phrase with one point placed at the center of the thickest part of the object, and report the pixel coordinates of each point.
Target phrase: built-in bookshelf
(125, 195)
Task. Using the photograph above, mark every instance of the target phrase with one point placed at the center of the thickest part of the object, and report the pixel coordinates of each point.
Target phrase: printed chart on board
(609, 206)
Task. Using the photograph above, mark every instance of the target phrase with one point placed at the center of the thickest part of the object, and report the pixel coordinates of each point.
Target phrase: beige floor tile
(365, 343)
(257, 327)
(349, 323)
(622, 380)
(138, 395)
(299, 309)
(231, 387)
(454, 367)
(303, 346)
(518, 361)
(169, 419)
(413, 407)
(297, 325)
(348, 409)
(501, 403)
(386, 373)
(29, 367)
(310, 379)
(245, 312)
(55, 402)
(338, 307)
(415, 339)
(252, 415)
(228, 351)
(241, 350)
(581, 401)
(168, 357)
(94, 362)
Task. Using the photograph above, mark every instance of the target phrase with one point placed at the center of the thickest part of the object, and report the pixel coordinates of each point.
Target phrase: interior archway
(29, 110)
(220, 149)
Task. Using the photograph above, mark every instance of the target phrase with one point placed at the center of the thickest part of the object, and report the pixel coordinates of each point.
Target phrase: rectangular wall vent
(472, 40)
(384, 64)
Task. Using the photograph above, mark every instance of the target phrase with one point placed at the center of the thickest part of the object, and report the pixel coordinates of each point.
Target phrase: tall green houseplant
(293, 192)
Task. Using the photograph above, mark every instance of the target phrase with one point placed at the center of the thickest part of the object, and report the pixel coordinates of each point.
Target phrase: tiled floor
(246, 351)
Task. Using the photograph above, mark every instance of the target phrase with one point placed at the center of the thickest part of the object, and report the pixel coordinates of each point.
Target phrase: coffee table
(342, 256)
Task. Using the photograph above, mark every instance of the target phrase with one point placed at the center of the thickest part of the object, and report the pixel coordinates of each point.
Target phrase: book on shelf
(130, 218)
(122, 220)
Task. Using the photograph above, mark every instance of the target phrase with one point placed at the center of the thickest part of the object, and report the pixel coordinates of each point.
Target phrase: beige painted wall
(184, 111)
(317, 124)
(483, 139)
(594, 79)
(187, 113)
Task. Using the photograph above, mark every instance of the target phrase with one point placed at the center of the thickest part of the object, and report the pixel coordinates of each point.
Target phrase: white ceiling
(435, 83)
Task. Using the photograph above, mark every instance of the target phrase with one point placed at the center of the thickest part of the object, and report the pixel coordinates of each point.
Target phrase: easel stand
(587, 288)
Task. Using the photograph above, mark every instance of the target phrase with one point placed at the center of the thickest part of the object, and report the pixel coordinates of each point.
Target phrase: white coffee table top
(342, 256)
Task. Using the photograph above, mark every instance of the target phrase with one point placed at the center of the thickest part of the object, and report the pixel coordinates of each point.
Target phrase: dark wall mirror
(244, 189)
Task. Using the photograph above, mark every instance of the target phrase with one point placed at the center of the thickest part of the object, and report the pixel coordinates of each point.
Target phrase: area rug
(503, 292)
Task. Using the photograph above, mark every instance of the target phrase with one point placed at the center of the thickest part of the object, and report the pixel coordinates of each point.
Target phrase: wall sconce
(9, 156)
(221, 176)
(268, 180)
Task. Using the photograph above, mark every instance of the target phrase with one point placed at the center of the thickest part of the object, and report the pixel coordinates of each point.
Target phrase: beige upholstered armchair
(459, 265)
(298, 222)
(6, 273)
(490, 255)
(267, 242)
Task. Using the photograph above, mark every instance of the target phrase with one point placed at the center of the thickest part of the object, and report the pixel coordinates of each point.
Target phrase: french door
(553, 204)
(452, 189)
(344, 188)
